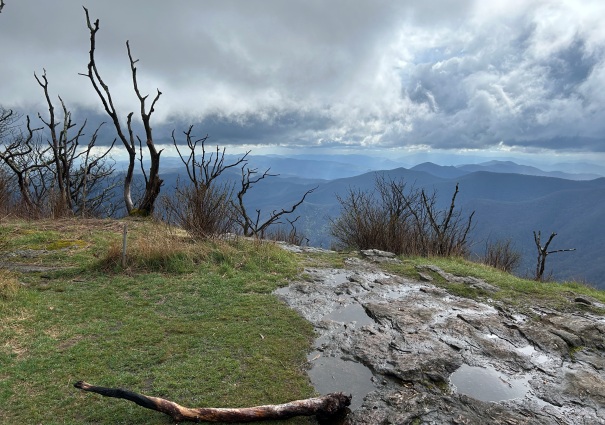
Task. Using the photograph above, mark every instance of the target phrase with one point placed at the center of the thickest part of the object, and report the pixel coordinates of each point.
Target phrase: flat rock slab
(409, 351)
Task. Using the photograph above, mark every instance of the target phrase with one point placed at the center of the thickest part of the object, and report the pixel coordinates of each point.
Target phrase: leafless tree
(253, 225)
(22, 156)
(543, 252)
(206, 207)
(153, 182)
(202, 206)
(58, 175)
(80, 176)
(202, 171)
(1, 5)
(449, 230)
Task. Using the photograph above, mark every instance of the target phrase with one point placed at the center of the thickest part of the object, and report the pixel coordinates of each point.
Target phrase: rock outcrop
(410, 352)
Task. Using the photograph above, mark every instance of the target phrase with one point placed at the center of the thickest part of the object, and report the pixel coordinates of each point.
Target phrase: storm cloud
(437, 74)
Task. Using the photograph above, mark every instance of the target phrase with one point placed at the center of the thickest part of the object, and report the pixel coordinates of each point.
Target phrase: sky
(498, 78)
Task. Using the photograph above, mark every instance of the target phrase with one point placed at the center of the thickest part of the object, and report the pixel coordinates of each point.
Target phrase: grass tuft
(8, 285)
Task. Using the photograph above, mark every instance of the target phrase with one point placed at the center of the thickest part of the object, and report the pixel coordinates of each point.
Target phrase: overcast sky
(506, 76)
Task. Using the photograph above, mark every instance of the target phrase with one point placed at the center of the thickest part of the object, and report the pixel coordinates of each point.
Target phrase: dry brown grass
(155, 246)
(9, 285)
(80, 226)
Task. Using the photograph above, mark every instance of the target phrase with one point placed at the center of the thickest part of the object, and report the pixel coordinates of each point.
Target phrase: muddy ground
(410, 352)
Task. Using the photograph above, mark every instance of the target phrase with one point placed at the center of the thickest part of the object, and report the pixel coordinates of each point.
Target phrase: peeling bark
(324, 407)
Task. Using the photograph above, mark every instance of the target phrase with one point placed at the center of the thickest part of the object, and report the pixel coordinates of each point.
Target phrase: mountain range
(510, 201)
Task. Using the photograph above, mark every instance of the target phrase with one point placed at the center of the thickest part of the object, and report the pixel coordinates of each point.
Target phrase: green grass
(191, 322)
(514, 291)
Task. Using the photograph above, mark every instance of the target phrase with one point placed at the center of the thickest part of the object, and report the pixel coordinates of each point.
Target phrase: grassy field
(194, 322)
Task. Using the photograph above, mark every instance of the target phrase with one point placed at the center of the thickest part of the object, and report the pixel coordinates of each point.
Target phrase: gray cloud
(440, 74)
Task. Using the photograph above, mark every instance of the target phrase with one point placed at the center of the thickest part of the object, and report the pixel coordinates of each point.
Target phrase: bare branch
(253, 227)
(327, 406)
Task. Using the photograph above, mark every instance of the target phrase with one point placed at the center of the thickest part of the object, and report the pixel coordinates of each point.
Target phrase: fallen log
(325, 407)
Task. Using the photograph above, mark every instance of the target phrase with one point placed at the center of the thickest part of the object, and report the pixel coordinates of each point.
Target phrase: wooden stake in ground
(324, 407)
(124, 235)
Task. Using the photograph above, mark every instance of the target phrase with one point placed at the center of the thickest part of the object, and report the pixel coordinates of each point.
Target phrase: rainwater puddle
(331, 374)
(351, 313)
(487, 384)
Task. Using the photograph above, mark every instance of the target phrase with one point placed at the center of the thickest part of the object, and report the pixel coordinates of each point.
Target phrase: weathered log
(330, 405)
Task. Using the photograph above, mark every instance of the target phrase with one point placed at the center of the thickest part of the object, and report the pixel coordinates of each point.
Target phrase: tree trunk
(154, 183)
(128, 181)
(326, 408)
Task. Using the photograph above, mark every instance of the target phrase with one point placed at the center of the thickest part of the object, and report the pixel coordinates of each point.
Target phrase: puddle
(331, 374)
(487, 384)
(351, 313)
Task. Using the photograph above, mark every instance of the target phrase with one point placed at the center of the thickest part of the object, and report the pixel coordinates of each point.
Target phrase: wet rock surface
(410, 352)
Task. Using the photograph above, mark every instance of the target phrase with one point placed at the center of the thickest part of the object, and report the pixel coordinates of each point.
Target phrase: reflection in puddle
(351, 313)
(487, 384)
(331, 374)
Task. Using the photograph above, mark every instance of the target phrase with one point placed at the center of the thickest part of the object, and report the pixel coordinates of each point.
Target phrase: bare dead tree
(255, 226)
(63, 147)
(450, 232)
(22, 157)
(7, 122)
(202, 171)
(153, 182)
(77, 171)
(543, 252)
(202, 206)
(1, 5)
(201, 202)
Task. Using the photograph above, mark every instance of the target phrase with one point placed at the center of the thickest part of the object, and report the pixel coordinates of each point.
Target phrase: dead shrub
(289, 236)
(501, 255)
(203, 211)
(400, 220)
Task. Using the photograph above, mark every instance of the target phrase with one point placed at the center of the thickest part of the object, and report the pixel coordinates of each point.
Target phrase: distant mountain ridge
(499, 167)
